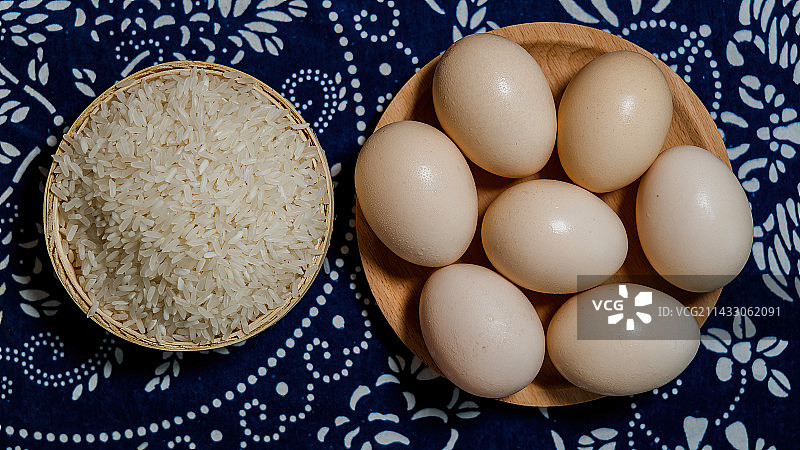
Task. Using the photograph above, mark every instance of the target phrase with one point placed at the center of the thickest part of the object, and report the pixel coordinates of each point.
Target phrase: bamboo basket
(56, 244)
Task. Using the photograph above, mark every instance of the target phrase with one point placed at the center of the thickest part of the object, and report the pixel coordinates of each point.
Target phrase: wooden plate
(561, 50)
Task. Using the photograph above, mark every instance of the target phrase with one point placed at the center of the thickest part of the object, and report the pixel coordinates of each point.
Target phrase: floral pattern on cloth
(332, 373)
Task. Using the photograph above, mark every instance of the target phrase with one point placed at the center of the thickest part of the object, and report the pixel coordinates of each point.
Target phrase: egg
(553, 237)
(481, 331)
(492, 98)
(623, 358)
(417, 193)
(693, 219)
(613, 119)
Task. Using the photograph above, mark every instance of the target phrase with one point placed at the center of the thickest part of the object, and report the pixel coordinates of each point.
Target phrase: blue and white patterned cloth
(332, 374)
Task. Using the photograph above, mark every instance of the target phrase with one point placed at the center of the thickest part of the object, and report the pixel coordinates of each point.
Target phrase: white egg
(492, 98)
(620, 359)
(417, 193)
(481, 331)
(693, 219)
(613, 119)
(553, 237)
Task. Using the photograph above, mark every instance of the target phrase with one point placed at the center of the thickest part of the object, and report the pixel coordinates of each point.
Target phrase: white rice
(190, 206)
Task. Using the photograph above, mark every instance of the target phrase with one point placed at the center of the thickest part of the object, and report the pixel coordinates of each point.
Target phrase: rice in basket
(190, 206)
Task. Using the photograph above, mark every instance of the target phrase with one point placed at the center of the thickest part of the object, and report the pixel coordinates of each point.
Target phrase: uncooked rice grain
(204, 206)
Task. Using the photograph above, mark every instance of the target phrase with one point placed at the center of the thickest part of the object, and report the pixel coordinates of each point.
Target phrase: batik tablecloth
(332, 374)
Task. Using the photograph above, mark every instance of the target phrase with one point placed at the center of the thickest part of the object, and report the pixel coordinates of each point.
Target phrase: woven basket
(56, 244)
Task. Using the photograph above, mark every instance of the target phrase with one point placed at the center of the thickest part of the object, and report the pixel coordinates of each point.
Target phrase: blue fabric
(332, 373)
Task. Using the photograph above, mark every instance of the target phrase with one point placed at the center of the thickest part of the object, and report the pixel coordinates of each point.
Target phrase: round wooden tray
(66, 272)
(561, 50)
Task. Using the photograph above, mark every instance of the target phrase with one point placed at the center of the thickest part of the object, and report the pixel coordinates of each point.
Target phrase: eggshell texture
(553, 237)
(481, 331)
(492, 98)
(612, 120)
(693, 219)
(627, 362)
(417, 193)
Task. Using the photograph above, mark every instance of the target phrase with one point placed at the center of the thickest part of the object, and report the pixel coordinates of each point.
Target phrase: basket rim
(55, 243)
